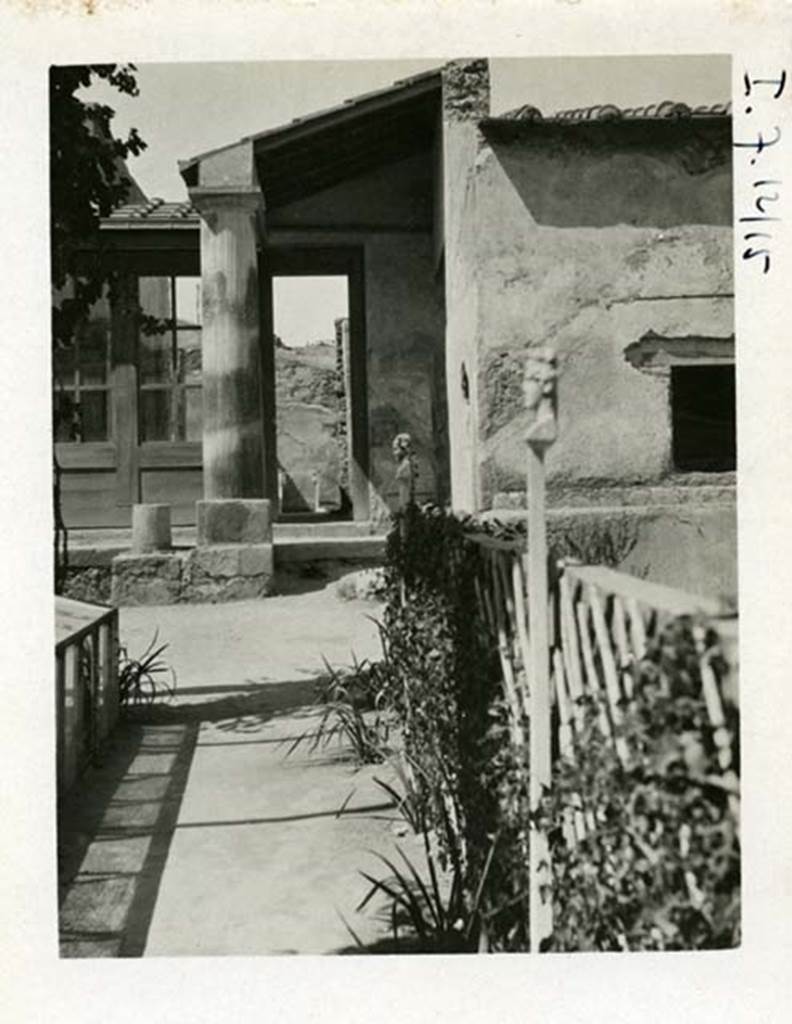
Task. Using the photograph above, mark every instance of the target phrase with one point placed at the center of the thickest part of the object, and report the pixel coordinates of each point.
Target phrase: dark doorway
(703, 418)
(312, 403)
(315, 395)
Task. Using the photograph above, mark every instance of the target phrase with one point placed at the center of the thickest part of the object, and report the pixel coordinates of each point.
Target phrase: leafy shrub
(660, 868)
(441, 678)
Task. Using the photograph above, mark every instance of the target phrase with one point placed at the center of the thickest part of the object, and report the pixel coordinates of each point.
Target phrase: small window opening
(703, 418)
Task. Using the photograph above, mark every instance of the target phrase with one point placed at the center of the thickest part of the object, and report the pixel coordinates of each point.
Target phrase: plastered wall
(588, 248)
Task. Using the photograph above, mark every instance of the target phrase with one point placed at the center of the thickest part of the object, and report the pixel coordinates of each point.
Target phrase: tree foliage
(88, 180)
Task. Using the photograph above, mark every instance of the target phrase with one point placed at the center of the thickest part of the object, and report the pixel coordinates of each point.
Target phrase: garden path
(198, 836)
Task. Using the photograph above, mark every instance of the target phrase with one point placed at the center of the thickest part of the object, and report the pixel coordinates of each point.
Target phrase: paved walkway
(199, 836)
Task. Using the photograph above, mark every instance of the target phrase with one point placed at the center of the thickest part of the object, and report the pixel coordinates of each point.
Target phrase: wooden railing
(86, 684)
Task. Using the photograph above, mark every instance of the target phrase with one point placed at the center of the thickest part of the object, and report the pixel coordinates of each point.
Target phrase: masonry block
(151, 528)
(146, 578)
(228, 560)
(200, 589)
(257, 560)
(234, 521)
(228, 572)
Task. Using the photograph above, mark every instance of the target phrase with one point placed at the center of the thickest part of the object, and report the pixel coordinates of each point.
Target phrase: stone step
(321, 530)
(328, 549)
(99, 547)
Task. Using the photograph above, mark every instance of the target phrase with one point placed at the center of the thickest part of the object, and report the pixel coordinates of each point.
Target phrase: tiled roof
(389, 91)
(668, 109)
(153, 213)
(320, 118)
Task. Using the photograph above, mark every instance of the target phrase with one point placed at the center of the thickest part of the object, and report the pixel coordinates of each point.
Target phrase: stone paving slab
(198, 835)
(246, 643)
(268, 848)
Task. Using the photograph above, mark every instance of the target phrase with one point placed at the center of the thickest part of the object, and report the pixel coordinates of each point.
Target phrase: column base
(228, 572)
(234, 521)
(233, 560)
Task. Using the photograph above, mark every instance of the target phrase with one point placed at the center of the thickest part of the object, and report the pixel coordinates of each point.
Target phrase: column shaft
(233, 434)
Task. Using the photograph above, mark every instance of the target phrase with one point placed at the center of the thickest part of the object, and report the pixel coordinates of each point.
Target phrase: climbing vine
(445, 687)
(657, 865)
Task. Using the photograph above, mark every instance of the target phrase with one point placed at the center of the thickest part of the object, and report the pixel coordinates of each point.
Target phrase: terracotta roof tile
(152, 213)
(610, 112)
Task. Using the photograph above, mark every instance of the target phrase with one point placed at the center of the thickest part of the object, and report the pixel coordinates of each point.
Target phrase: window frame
(659, 355)
(76, 388)
(176, 390)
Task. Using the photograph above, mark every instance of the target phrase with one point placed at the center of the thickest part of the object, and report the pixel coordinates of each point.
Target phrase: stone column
(233, 429)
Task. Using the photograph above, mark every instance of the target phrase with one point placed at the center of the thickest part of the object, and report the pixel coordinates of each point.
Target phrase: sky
(185, 109)
(305, 308)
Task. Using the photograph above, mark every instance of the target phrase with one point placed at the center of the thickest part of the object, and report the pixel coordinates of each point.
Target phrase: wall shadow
(116, 826)
(657, 173)
(114, 834)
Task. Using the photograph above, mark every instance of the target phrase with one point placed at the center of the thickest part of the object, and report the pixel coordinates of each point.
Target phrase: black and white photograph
(396, 513)
(395, 532)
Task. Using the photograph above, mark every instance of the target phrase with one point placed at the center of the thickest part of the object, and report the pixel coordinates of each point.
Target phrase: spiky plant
(143, 680)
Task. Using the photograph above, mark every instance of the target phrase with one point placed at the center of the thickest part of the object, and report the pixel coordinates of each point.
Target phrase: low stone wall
(92, 583)
(219, 571)
(689, 546)
(229, 572)
(674, 489)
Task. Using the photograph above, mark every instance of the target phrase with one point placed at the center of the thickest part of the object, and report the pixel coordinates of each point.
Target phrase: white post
(540, 401)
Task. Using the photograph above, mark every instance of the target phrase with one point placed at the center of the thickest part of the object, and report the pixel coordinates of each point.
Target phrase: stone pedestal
(151, 528)
(229, 572)
(234, 557)
(234, 521)
(150, 573)
(154, 578)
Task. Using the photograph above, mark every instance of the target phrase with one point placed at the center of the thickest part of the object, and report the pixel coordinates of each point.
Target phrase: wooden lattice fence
(600, 625)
